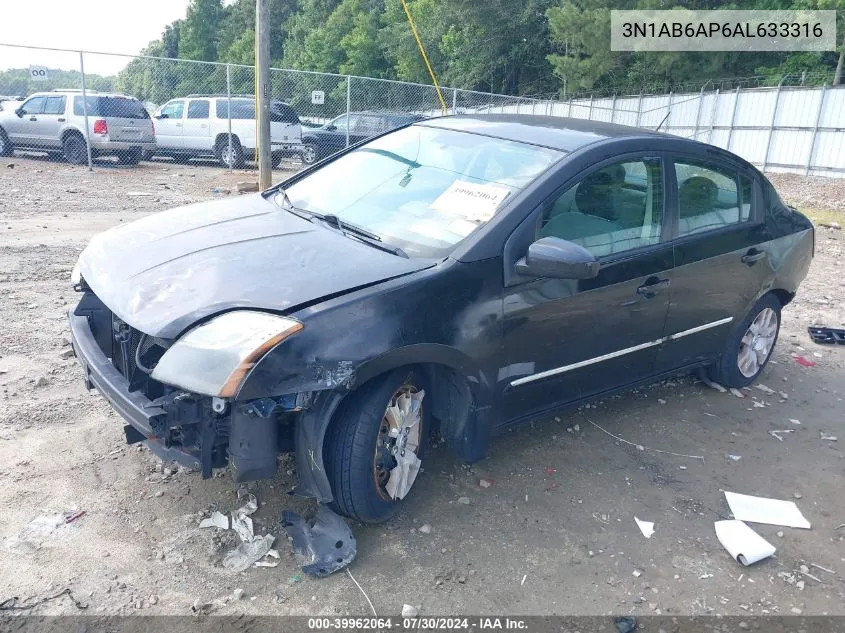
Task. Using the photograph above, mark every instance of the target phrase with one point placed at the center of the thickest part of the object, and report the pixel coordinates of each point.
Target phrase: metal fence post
(669, 109)
(613, 109)
(549, 108)
(590, 111)
(713, 115)
(229, 111)
(733, 119)
(698, 112)
(348, 104)
(85, 110)
(815, 131)
(639, 109)
(454, 100)
(772, 126)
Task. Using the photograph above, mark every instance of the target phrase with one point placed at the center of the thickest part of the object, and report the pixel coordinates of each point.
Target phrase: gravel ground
(552, 531)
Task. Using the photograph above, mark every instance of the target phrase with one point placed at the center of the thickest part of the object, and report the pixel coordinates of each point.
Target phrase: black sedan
(342, 131)
(455, 276)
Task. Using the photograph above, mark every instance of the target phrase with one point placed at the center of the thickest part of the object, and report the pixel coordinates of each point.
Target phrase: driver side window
(613, 209)
(173, 110)
(33, 106)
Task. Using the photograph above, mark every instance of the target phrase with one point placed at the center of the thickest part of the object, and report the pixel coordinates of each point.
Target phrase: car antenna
(657, 129)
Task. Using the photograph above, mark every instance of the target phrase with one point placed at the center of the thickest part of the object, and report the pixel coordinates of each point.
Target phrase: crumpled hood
(164, 272)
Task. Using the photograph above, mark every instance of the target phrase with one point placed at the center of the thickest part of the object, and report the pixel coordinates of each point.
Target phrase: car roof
(78, 93)
(563, 134)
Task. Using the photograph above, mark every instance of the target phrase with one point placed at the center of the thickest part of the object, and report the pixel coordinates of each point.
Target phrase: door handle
(178, 125)
(652, 286)
(752, 256)
(32, 118)
(61, 119)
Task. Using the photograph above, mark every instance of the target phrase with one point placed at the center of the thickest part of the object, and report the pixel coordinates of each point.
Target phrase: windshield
(422, 189)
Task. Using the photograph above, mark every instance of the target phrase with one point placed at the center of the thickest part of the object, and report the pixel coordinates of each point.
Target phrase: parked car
(331, 138)
(54, 122)
(198, 126)
(461, 274)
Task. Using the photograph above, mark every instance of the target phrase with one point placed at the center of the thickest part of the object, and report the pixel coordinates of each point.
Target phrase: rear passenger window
(614, 209)
(709, 197)
(198, 109)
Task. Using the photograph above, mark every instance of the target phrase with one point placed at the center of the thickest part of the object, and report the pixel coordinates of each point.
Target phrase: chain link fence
(164, 109)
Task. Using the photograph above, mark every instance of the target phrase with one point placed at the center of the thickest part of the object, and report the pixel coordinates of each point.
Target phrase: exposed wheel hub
(396, 464)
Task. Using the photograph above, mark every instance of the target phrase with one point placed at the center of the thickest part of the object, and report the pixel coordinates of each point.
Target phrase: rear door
(721, 261)
(566, 339)
(196, 133)
(23, 129)
(169, 125)
(127, 119)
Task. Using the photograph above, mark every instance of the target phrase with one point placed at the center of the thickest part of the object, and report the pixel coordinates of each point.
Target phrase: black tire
(349, 452)
(310, 153)
(221, 151)
(129, 156)
(6, 148)
(727, 370)
(74, 149)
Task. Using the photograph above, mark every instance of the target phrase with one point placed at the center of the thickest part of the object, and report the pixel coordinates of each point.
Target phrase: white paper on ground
(217, 519)
(471, 200)
(646, 527)
(743, 544)
(763, 510)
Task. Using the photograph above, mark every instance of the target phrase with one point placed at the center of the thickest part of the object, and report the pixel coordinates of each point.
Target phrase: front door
(565, 339)
(50, 121)
(169, 125)
(23, 129)
(720, 258)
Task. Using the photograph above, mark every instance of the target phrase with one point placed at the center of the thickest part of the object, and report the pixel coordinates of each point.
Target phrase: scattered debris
(777, 434)
(625, 624)
(550, 471)
(640, 447)
(138, 194)
(743, 544)
(524, 577)
(73, 517)
(464, 501)
(646, 527)
(827, 335)
(12, 604)
(361, 589)
(637, 573)
(246, 186)
(252, 548)
(831, 225)
(764, 388)
(794, 421)
(485, 483)
(41, 382)
(238, 594)
(66, 353)
(824, 569)
(828, 438)
(324, 547)
(735, 458)
(737, 392)
(409, 612)
(425, 528)
(804, 362)
(764, 510)
(702, 375)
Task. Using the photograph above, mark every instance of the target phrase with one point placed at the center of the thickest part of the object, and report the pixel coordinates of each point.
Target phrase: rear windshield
(243, 109)
(117, 107)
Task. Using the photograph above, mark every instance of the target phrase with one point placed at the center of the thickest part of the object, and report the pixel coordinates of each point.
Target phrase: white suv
(198, 125)
(54, 122)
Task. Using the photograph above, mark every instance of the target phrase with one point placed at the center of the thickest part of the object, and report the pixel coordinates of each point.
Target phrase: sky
(110, 26)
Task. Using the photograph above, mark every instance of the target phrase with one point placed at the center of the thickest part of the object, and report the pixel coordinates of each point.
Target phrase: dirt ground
(553, 534)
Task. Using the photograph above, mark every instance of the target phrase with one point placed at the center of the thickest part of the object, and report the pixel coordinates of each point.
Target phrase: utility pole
(262, 93)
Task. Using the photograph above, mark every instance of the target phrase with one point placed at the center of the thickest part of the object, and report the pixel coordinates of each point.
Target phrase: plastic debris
(735, 458)
(646, 527)
(804, 362)
(827, 335)
(778, 434)
(743, 544)
(829, 438)
(713, 385)
(737, 392)
(625, 624)
(409, 611)
(764, 510)
(323, 548)
(253, 548)
(764, 388)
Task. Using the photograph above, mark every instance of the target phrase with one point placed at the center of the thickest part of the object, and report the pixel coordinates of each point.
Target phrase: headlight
(215, 357)
(75, 275)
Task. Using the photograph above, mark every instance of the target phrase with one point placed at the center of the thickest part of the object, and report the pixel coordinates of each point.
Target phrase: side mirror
(19, 112)
(554, 257)
(331, 128)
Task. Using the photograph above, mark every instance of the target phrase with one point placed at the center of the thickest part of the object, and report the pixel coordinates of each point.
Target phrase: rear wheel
(230, 155)
(74, 149)
(375, 444)
(6, 148)
(750, 345)
(129, 156)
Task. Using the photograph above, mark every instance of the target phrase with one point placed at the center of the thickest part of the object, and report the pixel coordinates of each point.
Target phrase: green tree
(199, 34)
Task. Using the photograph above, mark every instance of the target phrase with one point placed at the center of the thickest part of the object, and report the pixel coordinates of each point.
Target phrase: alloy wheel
(396, 462)
(757, 343)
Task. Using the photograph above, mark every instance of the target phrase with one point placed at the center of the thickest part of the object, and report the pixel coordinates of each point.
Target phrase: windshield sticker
(461, 227)
(473, 201)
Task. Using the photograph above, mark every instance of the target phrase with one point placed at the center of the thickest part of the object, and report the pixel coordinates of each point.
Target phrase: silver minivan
(54, 122)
